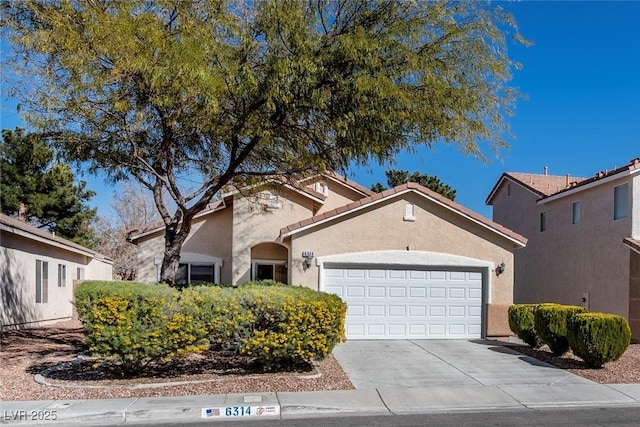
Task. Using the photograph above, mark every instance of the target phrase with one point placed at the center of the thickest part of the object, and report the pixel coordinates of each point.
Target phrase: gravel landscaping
(28, 352)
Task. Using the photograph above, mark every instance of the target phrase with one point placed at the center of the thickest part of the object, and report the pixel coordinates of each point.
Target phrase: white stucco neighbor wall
(18, 258)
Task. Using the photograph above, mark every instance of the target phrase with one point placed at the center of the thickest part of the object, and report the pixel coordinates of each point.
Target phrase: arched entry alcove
(269, 262)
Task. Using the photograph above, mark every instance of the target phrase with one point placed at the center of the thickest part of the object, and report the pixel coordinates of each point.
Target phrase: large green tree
(399, 177)
(42, 191)
(171, 92)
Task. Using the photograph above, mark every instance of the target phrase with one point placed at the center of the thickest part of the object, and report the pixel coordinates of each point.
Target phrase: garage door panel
(397, 292)
(397, 274)
(355, 291)
(376, 310)
(417, 311)
(417, 275)
(397, 310)
(458, 276)
(377, 274)
(475, 293)
(457, 311)
(376, 330)
(437, 275)
(412, 303)
(437, 293)
(377, 292)
(355, 310)
(399, 331)
(437, 310)
(457, 293)
(417, 292)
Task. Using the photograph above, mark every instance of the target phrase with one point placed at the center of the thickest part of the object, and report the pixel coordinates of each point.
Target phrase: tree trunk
(172, 246)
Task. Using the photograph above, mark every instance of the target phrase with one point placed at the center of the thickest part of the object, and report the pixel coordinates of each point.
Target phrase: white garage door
(408, 303)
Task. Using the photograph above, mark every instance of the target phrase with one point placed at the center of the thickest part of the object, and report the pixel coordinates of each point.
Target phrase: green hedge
(137, 324)
(522, 323)
(598, 338)
(551, 324)
(277, 325)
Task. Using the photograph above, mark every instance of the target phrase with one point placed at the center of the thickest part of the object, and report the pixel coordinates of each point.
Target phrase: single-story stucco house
(37, 274)
(409, 262)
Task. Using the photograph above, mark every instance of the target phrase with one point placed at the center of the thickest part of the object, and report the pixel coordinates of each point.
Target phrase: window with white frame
(62, 275)
(196, 273)
(575, 213)
(621, 201)
(197, 268)
(80, 273)
(42, 281)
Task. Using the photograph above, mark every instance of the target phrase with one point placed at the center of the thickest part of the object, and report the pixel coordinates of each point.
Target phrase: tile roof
(297, 186)
(393, 192)
(346, 181)
(12, 225)
(545, 185)
(550, 185)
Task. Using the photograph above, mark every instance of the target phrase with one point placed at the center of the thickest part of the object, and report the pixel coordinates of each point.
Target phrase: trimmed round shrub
(598, 338)
(522, 323)
(551, 324)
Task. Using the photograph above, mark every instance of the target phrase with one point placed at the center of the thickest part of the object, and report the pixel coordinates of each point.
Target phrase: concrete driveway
(427, 363)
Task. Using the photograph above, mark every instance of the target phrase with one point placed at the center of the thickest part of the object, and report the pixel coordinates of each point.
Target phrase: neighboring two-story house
(409, 262)
(583, 238)
(37, 274)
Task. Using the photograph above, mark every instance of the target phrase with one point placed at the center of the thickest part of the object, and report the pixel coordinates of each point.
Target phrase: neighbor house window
(62, 275)
(621, 201)
(42, 281)
(575, 213)
(80, 273)
(196, 273)
(543, 221)
(508, 189)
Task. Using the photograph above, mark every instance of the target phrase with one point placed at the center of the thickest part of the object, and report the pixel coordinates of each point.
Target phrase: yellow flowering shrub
(291, 324)
(136, 324)
(279, 326)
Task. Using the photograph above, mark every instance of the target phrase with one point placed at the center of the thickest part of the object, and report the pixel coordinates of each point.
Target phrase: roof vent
(546, 170)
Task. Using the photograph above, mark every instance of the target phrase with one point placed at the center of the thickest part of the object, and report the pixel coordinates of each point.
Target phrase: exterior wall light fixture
(308, 256)
(500, 268)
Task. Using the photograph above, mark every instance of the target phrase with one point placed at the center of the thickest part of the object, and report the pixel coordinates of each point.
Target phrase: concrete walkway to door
(428, 363)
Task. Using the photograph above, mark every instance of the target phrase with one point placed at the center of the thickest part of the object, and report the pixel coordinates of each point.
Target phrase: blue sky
(582, 112)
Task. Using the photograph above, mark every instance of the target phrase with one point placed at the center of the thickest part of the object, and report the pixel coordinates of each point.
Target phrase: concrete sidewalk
(288, 405)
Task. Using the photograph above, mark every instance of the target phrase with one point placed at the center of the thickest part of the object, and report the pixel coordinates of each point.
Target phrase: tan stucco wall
(210, 235)
(253, 224)
(381, 227)
(18, 256)
(339, 195)
(569, 260)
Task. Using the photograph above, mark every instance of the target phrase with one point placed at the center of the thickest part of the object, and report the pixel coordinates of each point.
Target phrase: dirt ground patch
(25, 353)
